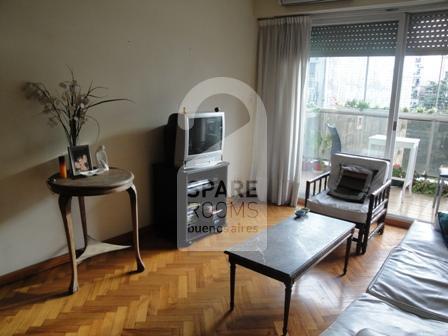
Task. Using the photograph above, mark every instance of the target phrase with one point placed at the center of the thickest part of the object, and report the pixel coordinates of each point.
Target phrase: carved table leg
(132, 191)
(66, 212)
(232, 285)
(82, 210)
(288, 288)
(347, 253)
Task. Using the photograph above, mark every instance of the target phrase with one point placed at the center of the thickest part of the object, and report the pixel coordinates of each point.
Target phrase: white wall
(150, 51)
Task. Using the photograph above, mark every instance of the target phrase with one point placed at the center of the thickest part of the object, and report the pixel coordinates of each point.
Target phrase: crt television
(195, 140)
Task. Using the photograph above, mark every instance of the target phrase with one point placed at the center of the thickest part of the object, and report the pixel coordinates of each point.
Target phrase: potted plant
(398, 172)
(361, 105)
(307, 165)
(68, 108)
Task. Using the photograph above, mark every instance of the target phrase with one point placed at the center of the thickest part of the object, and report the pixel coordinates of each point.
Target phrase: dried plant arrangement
(68, 108)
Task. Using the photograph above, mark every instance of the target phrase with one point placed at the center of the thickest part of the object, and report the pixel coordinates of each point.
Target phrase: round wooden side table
(112, 181)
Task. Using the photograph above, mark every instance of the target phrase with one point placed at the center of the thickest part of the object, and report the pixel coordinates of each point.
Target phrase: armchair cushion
(327, 205)
(353, 184)
(380, 166)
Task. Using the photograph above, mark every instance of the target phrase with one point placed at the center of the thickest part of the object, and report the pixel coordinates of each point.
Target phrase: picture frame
(80, 160)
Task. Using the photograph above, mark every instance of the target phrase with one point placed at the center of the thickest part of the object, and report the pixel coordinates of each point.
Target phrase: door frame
(394, 107)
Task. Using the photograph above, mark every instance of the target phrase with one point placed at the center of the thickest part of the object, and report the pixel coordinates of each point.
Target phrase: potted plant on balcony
(324, 145)
(357, 104)
(399, 174)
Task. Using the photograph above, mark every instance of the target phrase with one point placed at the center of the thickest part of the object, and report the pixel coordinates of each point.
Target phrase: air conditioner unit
(301, 2)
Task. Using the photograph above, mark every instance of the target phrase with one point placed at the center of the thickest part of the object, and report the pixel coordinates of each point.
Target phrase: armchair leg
(364, 248)
(381, 231)
(365, 239)
(359, 242)
(382, 222)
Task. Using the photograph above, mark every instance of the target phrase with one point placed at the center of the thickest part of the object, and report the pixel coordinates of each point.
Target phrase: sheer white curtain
(283, 46)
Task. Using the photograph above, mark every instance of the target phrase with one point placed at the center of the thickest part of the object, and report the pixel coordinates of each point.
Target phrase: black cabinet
(189, 203)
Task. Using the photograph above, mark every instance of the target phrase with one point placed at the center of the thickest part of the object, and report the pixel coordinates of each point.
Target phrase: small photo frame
(80, 160)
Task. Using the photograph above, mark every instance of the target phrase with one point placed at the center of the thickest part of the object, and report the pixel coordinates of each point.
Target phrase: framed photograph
(80, 160)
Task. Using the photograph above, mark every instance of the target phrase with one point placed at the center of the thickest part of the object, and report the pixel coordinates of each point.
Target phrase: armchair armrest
(318, 181)
(382, 188)
(379, 197)
(319, 177)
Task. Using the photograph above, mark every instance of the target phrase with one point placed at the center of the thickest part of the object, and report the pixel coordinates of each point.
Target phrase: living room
(224, 167)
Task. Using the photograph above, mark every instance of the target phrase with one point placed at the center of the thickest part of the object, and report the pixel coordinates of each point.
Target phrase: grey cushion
(333, 207)
(423, 239)
(380, 166)
(371, 316)
(413, 282)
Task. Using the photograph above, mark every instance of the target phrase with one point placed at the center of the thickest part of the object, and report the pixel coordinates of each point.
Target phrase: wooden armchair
(372, 211)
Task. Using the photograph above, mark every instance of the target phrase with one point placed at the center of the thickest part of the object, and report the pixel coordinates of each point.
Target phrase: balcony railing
(355, 127)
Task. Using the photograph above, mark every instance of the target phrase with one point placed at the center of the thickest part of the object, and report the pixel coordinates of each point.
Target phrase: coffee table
(287, 250)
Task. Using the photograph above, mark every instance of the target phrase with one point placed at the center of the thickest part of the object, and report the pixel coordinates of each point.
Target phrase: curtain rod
(356, 13)
(319, 17)
(280, 16)
(431, 7)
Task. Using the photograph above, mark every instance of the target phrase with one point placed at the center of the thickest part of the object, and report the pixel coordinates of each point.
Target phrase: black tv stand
(190, 204)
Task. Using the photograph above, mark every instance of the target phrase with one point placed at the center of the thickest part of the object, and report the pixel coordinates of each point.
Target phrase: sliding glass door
(351, 94)
(421, 145)
(349, 88)
(381, 89)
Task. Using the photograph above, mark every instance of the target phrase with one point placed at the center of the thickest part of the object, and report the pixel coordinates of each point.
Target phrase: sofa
(408, 295)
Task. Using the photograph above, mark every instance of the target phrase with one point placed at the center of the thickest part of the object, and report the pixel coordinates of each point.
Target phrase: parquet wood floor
(185, 293)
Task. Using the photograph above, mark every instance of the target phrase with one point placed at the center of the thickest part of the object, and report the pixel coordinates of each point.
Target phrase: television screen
(205, 135)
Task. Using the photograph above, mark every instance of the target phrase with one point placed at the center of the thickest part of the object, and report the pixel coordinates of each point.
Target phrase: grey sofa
(408, 295)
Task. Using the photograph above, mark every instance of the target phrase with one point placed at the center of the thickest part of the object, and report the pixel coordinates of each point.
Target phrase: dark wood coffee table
(287, 250)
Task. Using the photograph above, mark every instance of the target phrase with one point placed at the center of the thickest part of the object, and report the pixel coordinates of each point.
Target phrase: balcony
(357, 129)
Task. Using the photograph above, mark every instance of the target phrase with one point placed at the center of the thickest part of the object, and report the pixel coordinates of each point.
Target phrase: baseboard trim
(33, 269)
(404, 223)
(23, 273)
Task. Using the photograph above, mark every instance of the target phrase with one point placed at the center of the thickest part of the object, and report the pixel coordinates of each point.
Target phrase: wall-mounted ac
(301, 2)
